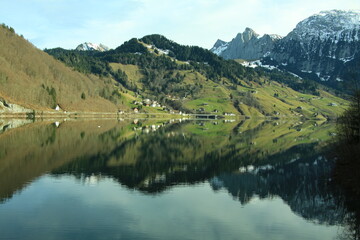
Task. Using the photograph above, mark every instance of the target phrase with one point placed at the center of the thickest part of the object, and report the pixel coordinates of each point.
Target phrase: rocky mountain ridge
(324, 47)
(247, 45)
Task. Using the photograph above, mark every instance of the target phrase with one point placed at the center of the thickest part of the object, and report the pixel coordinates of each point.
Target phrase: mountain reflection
(190, 152)
(247, 158)
(29, 151)
(303, 184)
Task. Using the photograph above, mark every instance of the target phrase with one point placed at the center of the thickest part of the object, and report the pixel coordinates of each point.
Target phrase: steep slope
(193, 79)
(247, 45)
(35, 80)
(325, 45)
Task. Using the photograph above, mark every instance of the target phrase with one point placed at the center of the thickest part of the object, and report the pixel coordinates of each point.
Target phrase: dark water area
(154, 179)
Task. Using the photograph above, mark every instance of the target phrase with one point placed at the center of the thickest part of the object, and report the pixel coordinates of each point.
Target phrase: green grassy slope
(194, 80)
(271, 99)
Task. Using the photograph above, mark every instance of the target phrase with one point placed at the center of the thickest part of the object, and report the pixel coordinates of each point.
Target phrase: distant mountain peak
(87, 46)
(247, 29)
(219, 43)
(247, 35)
(250, 31)
(246, 45)
(219, 47)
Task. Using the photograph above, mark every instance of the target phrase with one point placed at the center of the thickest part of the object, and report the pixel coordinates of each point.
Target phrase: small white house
(57, 108)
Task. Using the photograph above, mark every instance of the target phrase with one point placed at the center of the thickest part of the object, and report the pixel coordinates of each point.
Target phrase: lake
(167, 179)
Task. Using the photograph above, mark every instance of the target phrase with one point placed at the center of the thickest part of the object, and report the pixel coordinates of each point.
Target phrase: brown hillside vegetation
(33, 79)
(40, 144)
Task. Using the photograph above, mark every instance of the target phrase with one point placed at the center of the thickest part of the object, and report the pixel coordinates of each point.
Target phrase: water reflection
(303, 184)
(191, 152)
(29, 151)
(155, 157)
(250, 159)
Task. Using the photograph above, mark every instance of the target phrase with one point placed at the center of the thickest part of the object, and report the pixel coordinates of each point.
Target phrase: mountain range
(152, 70)
(324, 47)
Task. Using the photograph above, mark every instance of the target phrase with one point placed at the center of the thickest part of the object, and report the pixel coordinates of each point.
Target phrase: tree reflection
(247, 159)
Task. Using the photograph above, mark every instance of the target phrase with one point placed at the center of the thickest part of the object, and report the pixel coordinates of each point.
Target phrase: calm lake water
(153, 179)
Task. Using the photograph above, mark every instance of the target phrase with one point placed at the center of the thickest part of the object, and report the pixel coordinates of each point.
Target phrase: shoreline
(35, 115)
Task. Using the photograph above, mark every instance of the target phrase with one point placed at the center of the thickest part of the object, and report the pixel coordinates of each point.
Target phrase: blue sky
(67, 23)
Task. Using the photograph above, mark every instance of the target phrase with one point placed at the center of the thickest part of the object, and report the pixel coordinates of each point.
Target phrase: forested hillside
(192, 79)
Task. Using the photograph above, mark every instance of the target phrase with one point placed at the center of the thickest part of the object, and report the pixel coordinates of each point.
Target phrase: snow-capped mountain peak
(324, 47)
(334, 25)
(87, 46)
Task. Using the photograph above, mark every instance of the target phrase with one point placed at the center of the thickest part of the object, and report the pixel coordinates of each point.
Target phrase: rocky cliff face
(247, 45)
(325, 45)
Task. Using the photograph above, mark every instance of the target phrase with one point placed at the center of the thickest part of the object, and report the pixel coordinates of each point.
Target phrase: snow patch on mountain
(219, 47)
(348, 59)
(160, 51)
(336, 25)
(295, 75)
(87, 46)
(257, 63)
(275, 36)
